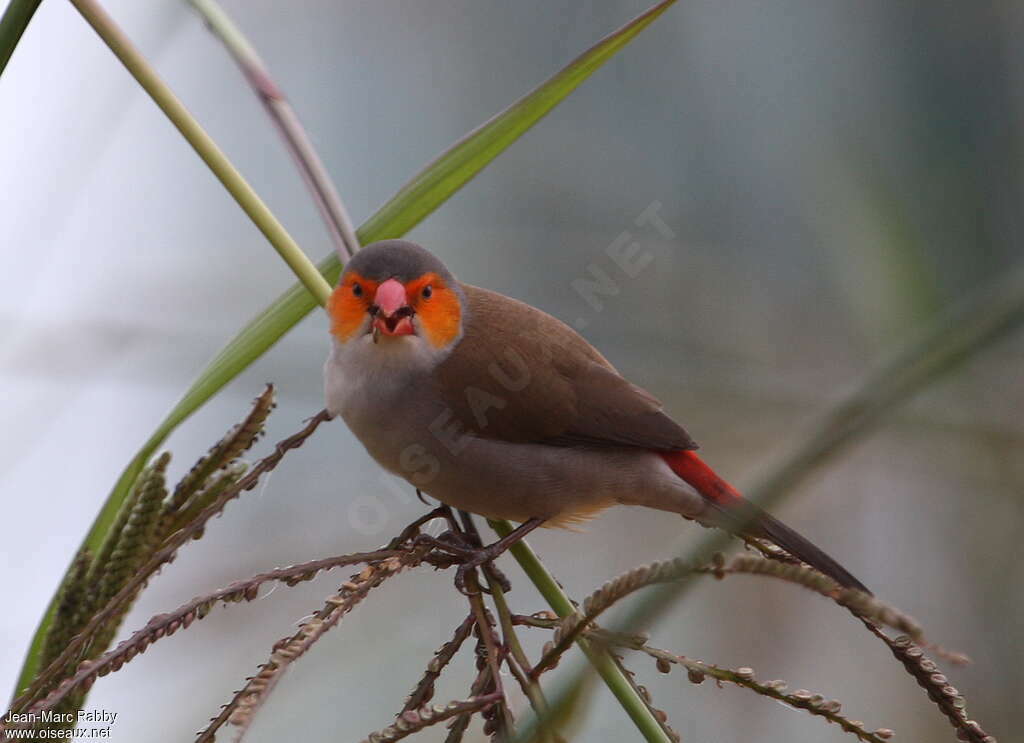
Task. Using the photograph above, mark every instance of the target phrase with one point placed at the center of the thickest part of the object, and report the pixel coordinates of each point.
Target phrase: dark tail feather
(796, 545)
(738, 514)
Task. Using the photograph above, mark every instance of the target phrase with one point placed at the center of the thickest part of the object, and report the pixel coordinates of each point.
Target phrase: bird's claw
(461, 573)
(498, 577)
(447, 542)
(468, 559)
(481, 557)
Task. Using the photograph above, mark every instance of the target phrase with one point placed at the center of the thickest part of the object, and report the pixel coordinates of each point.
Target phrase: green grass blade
(599, 658)
(12, 27)
(453, 168)
(416, 200)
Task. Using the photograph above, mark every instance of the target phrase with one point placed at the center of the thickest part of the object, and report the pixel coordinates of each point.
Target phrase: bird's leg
(413, 529)
(483, 555)
(454, 541)
(469, 526)
(453, 525)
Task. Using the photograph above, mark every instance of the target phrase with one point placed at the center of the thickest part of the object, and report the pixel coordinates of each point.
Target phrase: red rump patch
(755, 522)
(692, 469)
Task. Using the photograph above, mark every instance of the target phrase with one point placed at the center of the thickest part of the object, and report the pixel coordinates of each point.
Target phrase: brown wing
(519, 374)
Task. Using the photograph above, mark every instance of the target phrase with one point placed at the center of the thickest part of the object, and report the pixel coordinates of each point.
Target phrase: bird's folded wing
(519, 374)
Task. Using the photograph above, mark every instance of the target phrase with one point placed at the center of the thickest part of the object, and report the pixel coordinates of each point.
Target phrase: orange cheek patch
(440, 316)
(347, 311)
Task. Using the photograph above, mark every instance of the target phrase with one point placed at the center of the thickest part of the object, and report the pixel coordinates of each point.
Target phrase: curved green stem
(311, 167)
(205, 147)
(602, 662)
(12, 27)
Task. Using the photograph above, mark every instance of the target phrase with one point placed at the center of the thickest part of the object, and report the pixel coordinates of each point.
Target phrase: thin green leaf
(415, 201)
(12, 26)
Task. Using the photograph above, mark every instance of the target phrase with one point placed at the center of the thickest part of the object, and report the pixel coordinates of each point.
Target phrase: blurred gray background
(834, 175)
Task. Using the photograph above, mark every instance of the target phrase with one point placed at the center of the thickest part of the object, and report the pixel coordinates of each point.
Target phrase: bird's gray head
(396, 291)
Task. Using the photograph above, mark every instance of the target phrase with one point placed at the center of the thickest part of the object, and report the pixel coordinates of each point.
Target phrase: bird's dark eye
(357, 289)
(428, 291)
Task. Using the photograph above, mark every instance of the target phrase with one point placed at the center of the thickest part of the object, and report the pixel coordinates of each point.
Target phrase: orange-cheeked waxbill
(497, 408)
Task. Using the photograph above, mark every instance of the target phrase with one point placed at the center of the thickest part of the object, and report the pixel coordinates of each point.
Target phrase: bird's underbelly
(420, 442)
(519, 481)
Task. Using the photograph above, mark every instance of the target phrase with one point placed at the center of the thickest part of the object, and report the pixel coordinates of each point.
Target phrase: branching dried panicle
(131, 540)
(413, 721)
(73, 598)
(873, 613)
(218, 484)
(221, 455)
(457, 728)
(498, 722)
(616, 589)
(646, 698)
(424, 690)
(861, 604)
(945, 696)
(135, 542)
(698, 671)
(518, 662)
(247, 700)
(165, 625)
(815, 704)
(574, 625)
(152, 526)
(117, 604)
(869, 609)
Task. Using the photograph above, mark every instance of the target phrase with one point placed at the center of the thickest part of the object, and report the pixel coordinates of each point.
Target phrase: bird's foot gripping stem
(465, 546)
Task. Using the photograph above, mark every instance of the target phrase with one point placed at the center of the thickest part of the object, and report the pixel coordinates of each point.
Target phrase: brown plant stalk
(645, 696)
(858, 602)
(697, 671)
(479, 687)
(165, 625)
(815, 704)
(945, 696)
(517, 661)
(424, 690)
(414, 721)
(247, 700)
(491, 652)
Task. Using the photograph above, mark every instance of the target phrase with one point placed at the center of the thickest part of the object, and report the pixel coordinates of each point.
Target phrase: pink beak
(390, 298)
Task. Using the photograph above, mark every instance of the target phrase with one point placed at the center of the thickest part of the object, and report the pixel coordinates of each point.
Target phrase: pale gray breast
(378, 391)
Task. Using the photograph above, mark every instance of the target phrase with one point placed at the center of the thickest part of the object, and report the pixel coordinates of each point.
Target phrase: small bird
(494, 407)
